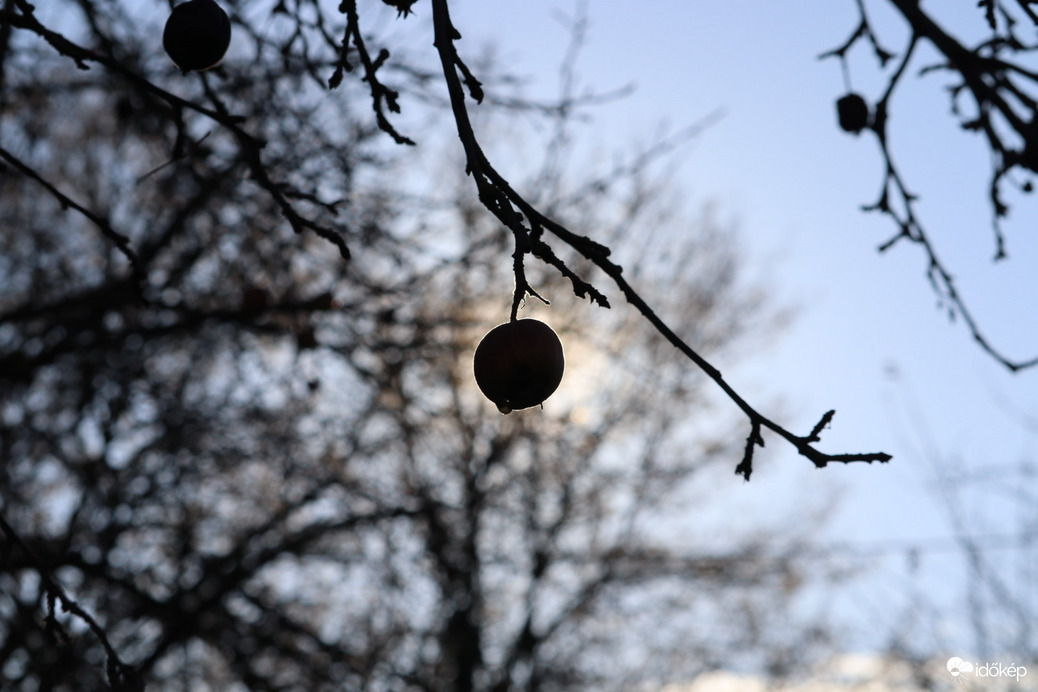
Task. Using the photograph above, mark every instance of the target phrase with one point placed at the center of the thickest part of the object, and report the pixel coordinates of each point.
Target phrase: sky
(869, 340)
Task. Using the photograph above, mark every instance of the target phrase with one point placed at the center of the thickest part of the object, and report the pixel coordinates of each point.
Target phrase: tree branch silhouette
(121, 677)
(251, 146)
(120, 240)
(381, 96)
(1004, 94)
(527, 224)
(498, 196)
(275, 471)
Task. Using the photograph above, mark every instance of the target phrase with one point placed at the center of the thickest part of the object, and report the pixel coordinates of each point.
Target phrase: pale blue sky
(778, 164)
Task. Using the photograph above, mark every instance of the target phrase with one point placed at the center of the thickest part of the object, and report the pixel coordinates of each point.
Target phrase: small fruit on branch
(853, 113)
(519, 364)
(197, 35)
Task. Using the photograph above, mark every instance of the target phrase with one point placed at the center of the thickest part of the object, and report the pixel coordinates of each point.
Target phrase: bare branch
(121, 676)
(120, 240)
(511, 208)
(381, 95)
(998, 87)
(251, 146)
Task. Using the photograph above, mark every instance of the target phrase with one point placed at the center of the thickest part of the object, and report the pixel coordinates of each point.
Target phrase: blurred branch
(511, 209)
(988, 78)
(121, 677)
(250, 145)
(120, 240)
(992, 593)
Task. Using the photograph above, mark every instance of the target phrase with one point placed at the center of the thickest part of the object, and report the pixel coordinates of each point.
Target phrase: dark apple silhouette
(853, 113)
(519, 364)
(197, 35)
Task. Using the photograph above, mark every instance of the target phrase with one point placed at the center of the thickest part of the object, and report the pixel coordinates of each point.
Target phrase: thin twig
(251, 145)
(121, 241)
(988, 78)
(121, 677)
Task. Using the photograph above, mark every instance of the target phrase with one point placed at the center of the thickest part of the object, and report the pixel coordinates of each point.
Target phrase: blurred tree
(986, 612)
(993, 92)
(232, 460)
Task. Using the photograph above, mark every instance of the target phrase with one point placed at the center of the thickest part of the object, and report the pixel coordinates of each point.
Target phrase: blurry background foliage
(241, 461)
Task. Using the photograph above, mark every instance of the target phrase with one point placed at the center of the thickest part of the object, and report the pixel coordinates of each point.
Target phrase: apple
(519, 364)
(853, 113)
(197, 35)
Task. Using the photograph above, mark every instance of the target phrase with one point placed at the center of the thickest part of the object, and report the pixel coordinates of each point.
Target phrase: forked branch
(528, 225)
(121, 677)
(996, 81)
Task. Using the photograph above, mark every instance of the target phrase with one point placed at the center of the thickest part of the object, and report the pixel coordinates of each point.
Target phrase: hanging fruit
(853, 113)
(519, 364)
(197, 35)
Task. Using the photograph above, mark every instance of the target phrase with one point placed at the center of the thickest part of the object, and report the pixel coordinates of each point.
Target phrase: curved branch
(121, 677)
(120, 240)
(251, 145)
(986, 77)
(380, 93)
(511, 208)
